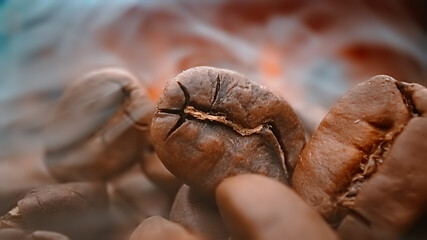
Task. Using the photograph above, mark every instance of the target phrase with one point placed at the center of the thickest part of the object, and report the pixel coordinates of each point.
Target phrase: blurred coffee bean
(19, 174)
(215, 123)
(364, 168)
(133, 197)
(12, 234)
(198, 214)
(154, 169)
(159, 228)
(77, 210)
(46, 235)
(98, 127)
(258, 207)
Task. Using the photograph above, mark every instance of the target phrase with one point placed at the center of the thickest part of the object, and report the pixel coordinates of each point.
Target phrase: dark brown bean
(258, 207)
(99, 127)
(198, 214)
(161, 229)
(133, 197)
(364, 168)
(154, 169)
(75, 209)
(215, 123)
(46, 235)
(12, 234)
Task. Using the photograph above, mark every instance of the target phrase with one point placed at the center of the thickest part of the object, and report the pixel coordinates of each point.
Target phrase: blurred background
(309, 52)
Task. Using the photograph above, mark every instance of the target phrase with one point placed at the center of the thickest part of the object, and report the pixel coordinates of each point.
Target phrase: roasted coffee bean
(154, 169)
(161, 229)
(258, 207)
(20, 174)
(46, 235)
(74, 209)
(99, 127)
(198, 214)
(133, 197)
(215, 123)
(364, 168)
(12, 234)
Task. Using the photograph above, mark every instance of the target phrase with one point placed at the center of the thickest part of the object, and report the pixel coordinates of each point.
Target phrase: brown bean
(12, 234)
(257, 207)
(215, 123)
(364, 168)
(133, 197)
(198, 214)
(154, 169)
(99, 127)
(46, 235)
(161, 229)
(75, 209)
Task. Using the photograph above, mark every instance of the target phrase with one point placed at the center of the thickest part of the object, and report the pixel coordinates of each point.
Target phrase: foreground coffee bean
(364, 168)
(74, 209)
(257, 207)
(99, 127)
(161, 229)
(215, 123)
(198, 214)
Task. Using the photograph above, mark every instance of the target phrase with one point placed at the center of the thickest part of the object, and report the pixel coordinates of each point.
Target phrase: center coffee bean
(214, 123)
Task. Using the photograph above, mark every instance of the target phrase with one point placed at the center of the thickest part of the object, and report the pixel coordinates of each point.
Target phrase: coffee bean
(161, 229)
(364, 168)
(215, 123)
(198, 214)
(46, 235)
(132, 198)
(99, 127)
(12, 234)
(258, 207)
(75, 209)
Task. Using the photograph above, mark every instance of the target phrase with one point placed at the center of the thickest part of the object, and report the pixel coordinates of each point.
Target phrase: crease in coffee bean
(136, 124)
(126, 93)
(368, 166)
(190, 110)
(407, 99)
(375, 158)
(187, 112)
(217, 89)
(186, 95)
(285, 162)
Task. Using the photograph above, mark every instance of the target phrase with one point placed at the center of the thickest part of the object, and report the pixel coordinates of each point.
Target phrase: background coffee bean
(46, 235)
(214, 123)
(12, 234)
(154, 169)
(132, 198)
(62, 208)
(198, 214)
(161, 229)
(99, 127)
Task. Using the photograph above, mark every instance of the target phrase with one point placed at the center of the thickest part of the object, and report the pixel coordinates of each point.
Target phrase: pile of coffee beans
(221, 157)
